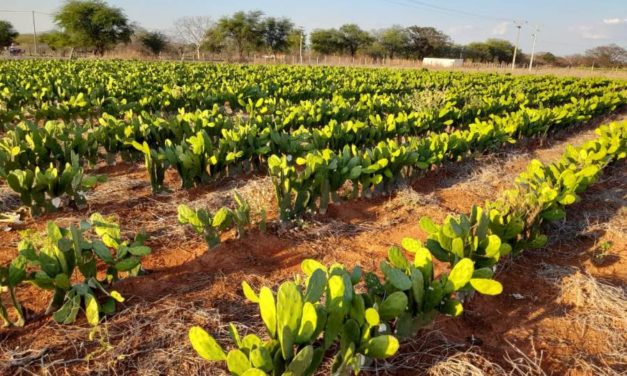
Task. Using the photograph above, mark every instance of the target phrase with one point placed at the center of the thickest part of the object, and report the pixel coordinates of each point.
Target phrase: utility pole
(34, 32)
(533, 48)
(301, 47)
(519, 25)
(32, 12)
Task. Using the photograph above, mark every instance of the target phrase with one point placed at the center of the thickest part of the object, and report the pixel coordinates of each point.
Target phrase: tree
(214, 40)
(426, 41)
(326, 41)
(7, 33)
(547, 58)
(492, 50)
(155, 42)
(192, 30)
(243, 30)
(94, 24)
(354, 38)
(56, 40)
(295, 39)
(608, 56)
(502, 50)
(394, 40)
(376, 50)
(276, 32)
(477, 51)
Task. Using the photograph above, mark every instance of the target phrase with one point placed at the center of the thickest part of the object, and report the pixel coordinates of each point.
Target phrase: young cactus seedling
(211, 226)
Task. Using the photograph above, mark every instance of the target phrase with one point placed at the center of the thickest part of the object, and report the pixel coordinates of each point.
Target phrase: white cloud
(501, 28)
(588, 32)
(615, 21)
(461, 29)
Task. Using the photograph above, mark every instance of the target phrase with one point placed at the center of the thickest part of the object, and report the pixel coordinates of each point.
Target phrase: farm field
(395, 222)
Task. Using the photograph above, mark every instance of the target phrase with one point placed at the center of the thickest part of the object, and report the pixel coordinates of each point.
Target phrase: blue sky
(566, 26)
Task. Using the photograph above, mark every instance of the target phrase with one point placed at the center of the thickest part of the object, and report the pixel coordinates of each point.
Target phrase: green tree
(354, 38)
(276, 32)
(327, 41)
(244, 30)
(294, 40)
(492, 50)
(547, 58)
(155, 42)
(7, 33)
(214, 40)
(376, 50)
(56, 40)
(427, 41)
(502, 50)
(395, 41)
(478, 51)
(94, 24)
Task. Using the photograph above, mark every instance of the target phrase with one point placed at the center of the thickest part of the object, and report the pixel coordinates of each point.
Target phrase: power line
(33, 13)
(414, 6)
(443, 10)
(457, 11)
(25, 11)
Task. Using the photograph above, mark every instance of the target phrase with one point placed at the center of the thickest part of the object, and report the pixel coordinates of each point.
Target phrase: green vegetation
(326, 314)
(7, 34)
(51, 261)
(313, 130)
(93, 24)
(211, 225)
(322, 135)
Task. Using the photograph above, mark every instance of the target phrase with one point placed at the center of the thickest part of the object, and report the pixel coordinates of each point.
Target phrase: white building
(438, 62)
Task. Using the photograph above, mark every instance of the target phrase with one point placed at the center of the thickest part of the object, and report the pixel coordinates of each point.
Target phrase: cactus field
(165, 218)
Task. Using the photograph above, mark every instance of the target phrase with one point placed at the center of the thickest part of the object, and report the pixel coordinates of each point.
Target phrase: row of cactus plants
(200, 157)
(310, 182)
(54, 260)
(358, 318)
(326, 311)
(200, 146)
(89, 89)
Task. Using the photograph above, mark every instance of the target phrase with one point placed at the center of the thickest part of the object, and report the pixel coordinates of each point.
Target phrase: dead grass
(594, 309)
(147, 338)
(472, 363)
(602, 308)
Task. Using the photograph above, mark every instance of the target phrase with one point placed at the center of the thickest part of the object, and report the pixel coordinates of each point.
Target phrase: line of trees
(95, 26)
(394, 42)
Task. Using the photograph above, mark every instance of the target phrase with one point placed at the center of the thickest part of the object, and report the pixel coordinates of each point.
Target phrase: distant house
(439, 62)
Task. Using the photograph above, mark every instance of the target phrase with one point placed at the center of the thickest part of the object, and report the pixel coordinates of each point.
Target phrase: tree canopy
(7, 33)
(425, 41)
(93, 24)
(492, 50)
(243, 29)
(56, 40)
(395, 41)
(608, 56)
(276, 32)
(347, 39)
(155, 42)
(326, 41)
